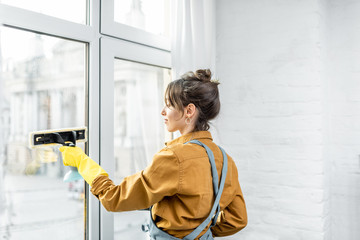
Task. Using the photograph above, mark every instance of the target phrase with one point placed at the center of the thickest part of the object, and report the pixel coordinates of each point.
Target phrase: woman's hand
(72, 156)
(88, 168)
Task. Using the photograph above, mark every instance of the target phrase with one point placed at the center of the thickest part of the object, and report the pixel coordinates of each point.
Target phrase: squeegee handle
(73, 143)
(60, 140)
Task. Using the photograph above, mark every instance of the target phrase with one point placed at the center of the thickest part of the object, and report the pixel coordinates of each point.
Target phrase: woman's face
(174, 119)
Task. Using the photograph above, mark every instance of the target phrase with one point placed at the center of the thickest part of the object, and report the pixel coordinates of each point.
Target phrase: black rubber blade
(53, 137)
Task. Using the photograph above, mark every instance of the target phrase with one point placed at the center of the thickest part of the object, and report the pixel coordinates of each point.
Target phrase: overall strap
(217, 190)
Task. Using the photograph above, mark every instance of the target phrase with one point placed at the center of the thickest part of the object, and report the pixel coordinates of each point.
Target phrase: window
(70, 10)
(149, 15)
(138, 130)
(43, 87)
(133, 82)
(146, 22)
(73, 76)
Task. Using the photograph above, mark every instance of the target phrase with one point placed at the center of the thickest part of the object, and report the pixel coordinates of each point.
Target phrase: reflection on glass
(149, 15)
(41, 87)
(139, 130)
(70, 10)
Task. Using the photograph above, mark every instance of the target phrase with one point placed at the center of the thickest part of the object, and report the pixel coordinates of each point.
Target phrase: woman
(178, 184)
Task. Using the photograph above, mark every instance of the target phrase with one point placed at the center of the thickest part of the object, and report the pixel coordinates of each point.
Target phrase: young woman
(181, 184)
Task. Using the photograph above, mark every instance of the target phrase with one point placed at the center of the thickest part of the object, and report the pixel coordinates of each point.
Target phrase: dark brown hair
(196, 88)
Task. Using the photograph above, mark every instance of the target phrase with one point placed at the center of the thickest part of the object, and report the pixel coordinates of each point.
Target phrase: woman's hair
(199, 89)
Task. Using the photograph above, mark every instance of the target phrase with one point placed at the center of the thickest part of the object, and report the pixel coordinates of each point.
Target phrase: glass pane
(149, 15)
(42, 83)
(70, 10)
(139, 130)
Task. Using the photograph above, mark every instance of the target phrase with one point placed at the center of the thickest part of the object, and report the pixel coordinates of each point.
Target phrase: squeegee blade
(47, 137)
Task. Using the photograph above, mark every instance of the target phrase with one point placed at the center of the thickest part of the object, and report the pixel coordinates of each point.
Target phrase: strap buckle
(145, 227)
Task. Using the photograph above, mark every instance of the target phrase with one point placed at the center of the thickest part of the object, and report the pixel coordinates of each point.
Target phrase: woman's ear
(190, 110)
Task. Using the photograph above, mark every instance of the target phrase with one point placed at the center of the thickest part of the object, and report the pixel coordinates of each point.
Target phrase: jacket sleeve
(143, 189)
(233, 217)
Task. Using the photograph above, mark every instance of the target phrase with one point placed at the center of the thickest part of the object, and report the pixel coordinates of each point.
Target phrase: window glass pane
(70, 10)
(42, 84)
(139, 130)
(149, 15)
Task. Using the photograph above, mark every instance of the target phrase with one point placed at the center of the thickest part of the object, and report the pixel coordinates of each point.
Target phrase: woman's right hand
(72, 156)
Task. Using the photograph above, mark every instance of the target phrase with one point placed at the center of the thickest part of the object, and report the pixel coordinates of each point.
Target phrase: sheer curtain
(193, 44)
(193, 36)
(2, 153)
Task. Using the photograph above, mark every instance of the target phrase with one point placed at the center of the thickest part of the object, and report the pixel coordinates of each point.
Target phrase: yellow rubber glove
(88, 168)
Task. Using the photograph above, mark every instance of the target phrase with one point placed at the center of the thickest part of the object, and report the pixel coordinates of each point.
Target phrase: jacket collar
(190, 136)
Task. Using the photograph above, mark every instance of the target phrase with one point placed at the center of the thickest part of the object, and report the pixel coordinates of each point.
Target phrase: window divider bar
(37, 22)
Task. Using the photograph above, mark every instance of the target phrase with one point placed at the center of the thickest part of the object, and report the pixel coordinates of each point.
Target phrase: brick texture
(290, 93)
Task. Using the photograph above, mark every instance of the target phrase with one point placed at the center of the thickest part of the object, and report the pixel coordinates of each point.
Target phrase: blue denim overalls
(158, 234)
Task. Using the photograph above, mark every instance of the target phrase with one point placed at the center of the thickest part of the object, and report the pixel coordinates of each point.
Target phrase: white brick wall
(270, 58)
(343, 111)
(290, 114)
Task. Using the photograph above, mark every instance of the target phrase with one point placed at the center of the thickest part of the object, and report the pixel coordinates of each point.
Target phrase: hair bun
(203, 75)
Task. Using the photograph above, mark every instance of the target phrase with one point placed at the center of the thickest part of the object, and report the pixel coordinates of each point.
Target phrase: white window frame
(110, 49)
(111, 28)
(102, 50)
(48, 25)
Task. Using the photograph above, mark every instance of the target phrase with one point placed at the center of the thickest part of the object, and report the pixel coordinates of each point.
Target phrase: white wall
(290, 103)
(344, 117)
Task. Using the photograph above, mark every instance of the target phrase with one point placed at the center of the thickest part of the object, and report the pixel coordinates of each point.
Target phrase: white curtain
(193, 36)
(2, 144)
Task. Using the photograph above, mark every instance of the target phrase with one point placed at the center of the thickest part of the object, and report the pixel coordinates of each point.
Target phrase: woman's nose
(163, 111)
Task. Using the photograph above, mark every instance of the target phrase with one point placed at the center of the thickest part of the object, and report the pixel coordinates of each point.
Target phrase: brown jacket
(178, 184)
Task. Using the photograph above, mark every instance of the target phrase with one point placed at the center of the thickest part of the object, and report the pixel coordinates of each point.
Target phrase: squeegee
(66, 137)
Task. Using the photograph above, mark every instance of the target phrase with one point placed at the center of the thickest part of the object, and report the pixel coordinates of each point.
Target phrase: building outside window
(43, 87)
